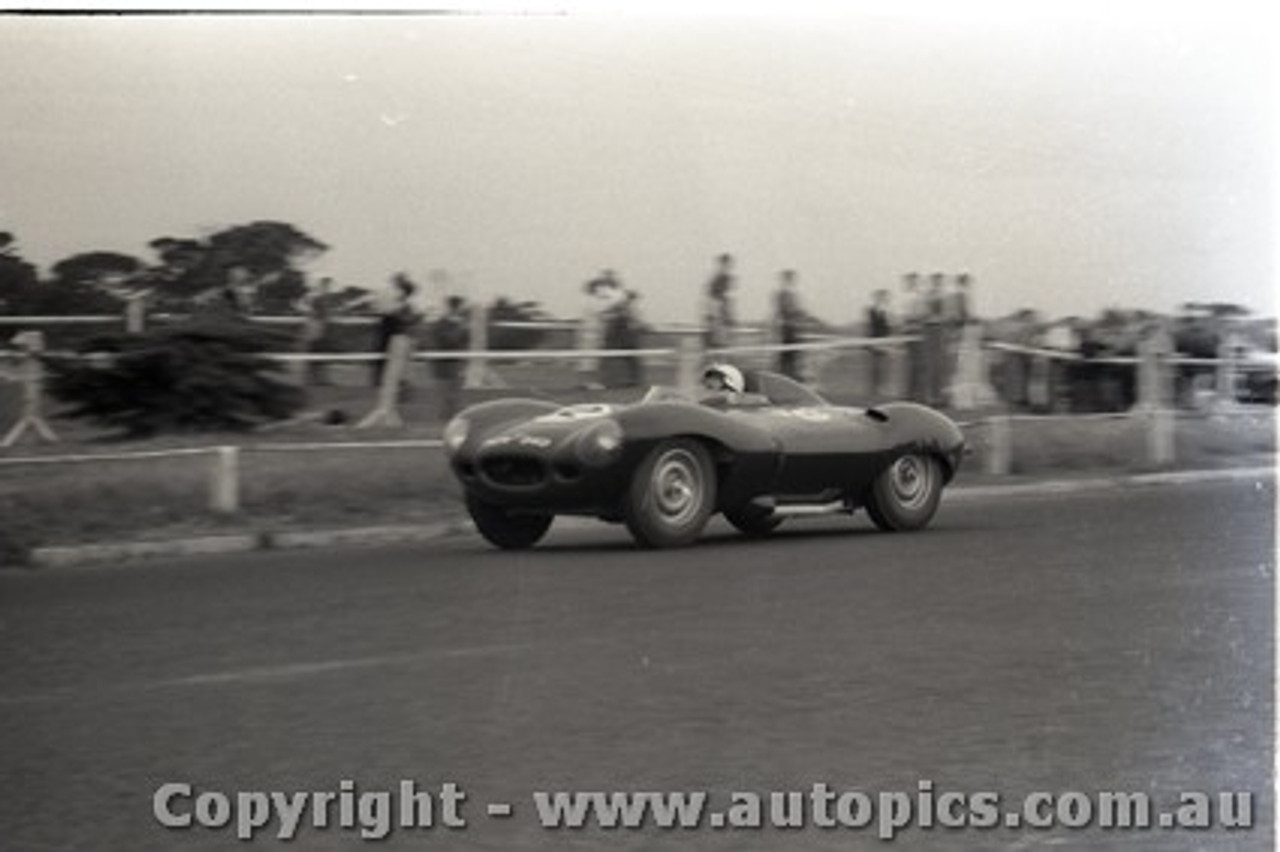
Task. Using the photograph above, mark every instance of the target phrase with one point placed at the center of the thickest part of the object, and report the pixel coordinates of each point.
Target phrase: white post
(1160, 444)
(224, 491)
(970, 388)
(476, 367)
(135, 314)
(689, 356)
(1155, 379)
(31, 373)
(1000, 451)
(1228, 372)
(393, 372)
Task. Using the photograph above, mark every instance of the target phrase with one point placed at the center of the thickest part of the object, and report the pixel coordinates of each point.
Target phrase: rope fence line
(349, 320)
(180, 452)
(1152, 376)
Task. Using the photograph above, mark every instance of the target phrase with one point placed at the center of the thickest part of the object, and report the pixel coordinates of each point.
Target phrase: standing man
(623, 330)
(789, 319)
(956, 317)
(717, 314)
(315, 308)
(602, 294)
(396, 315)
(451, 333)
(934, 340)
(913, 308)
(878, 325)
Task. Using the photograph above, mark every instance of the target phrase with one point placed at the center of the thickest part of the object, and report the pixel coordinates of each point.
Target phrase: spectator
(955, 318)
(451, 332)
(717, 314)
(958, 305)
(878, 325)
(1061, 336)
(933, 347)
(602, 295)
(396, 315)
(913, 313)
(315, 309)
(789, 319)
(623, 330)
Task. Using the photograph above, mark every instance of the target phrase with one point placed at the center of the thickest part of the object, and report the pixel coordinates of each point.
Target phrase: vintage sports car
(666, 464)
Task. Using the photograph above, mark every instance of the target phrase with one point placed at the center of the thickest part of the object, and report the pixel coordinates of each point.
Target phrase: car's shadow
(619, 541)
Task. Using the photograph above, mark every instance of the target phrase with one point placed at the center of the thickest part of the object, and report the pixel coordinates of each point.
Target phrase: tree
(95, 282)
(262, 254)
(18, 279)
(192, 377)
(96, 269)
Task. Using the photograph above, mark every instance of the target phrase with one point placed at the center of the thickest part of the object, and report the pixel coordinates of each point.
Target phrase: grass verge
(168, 498)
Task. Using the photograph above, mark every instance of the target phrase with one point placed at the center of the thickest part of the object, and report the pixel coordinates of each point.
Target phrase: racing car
(755, 446)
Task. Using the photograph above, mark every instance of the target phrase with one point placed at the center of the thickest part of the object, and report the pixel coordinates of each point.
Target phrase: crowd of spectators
(1052, 364)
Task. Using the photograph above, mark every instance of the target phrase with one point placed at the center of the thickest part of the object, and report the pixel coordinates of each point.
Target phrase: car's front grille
(517, 471)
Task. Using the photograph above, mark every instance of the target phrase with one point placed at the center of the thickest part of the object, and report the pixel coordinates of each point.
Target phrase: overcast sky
(1068, 164)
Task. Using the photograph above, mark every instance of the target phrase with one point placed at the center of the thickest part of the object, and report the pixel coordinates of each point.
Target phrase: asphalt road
(1102, 641)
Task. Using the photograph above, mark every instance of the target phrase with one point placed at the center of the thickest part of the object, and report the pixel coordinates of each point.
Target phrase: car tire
(752, 521)
(905, 495)
(671, 495)
(504, 529)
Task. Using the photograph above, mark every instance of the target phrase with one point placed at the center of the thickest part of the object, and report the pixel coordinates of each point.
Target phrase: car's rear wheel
(905, 495)
(671, 495)
(505, 529)
(752, 520)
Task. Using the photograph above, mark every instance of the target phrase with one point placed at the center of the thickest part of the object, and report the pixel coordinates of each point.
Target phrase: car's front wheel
(671, 495)
(504, 529)
(905, 495)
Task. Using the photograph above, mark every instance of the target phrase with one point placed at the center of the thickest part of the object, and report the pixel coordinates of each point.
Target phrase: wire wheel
(910, 478)
(676, 487)
(906, 494)
(672, 495)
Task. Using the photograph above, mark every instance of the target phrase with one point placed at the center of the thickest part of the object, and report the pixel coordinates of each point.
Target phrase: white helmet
(729, 376)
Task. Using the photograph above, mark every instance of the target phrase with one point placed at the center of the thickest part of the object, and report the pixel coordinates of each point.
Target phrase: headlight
(600, 444)
(455, 433)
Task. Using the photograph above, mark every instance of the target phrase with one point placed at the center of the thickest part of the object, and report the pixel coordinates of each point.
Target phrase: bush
(204, 375)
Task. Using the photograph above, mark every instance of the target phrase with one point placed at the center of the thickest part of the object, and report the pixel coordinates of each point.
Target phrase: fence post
(1000, 451)
(478, 372)
(31, 373)
(224, 491)
(393, 371)
(970, 388)
(1228, 372)
(688, 357)
(1154, 379)
(1160, 445)
(135, 314)
(476, 367)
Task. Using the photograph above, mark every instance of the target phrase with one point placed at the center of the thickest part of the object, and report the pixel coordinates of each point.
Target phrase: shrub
(200, 376)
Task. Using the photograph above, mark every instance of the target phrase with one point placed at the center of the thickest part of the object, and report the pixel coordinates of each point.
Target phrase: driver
(722, 384)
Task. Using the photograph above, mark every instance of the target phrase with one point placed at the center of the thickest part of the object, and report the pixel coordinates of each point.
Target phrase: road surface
(1102, 641)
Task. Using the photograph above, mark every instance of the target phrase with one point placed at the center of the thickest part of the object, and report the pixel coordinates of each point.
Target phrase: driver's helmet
(724, 377)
